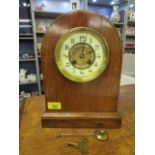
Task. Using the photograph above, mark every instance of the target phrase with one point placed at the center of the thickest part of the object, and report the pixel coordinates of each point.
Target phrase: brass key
(82, 146)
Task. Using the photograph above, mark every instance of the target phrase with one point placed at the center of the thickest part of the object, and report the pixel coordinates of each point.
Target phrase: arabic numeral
(66, 47)
(97, 47)
(83, 38)
(82, 73)
(67, 64)
(72, 41)
(96, 65)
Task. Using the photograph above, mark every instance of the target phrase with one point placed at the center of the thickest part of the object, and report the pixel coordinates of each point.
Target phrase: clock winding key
(82, 146)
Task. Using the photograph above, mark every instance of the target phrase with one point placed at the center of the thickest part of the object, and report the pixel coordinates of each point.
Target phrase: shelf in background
(24, 26)
(46, 14)
(29, 83)
(23, 60)
(119, 24)
(99, 4)
(25, 35)
(26, 38)
(106, 3)
(130, 36)
(25, 21)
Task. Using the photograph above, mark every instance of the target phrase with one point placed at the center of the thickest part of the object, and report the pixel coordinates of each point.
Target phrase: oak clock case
(81, 65)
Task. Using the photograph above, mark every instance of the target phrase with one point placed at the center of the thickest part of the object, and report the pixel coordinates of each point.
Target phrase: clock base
(81, 120)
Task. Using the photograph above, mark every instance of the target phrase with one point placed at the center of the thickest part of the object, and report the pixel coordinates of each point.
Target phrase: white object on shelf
(22, 76)
(131, 14)
(40, 8)
(130, 31)
(41, 76)
(75, 4)
(24, 20)
(115, 16)
(32, 77)
(23, 94)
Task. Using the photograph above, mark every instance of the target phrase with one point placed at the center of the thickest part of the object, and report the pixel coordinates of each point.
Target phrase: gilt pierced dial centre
(81, 54)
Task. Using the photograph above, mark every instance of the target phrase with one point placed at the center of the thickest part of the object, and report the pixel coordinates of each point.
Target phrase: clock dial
(81, 54)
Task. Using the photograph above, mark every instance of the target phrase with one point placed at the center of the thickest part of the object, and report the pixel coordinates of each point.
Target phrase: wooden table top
(35, 140)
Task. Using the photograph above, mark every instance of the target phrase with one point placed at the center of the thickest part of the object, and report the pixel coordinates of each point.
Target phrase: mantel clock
(81, 65)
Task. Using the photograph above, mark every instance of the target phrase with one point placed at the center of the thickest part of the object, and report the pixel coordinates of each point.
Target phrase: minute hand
(84, 47)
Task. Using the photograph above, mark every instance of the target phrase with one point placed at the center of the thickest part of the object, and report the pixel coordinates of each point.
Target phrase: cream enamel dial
(81, 54)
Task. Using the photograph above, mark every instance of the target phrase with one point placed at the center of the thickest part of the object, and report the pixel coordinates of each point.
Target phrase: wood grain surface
(99, 95)
(35, 140)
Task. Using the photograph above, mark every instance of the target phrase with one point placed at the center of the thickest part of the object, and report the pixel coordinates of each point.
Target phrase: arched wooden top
(100, 94)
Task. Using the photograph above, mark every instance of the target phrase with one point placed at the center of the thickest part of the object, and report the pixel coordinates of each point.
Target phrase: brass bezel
(60, 65)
